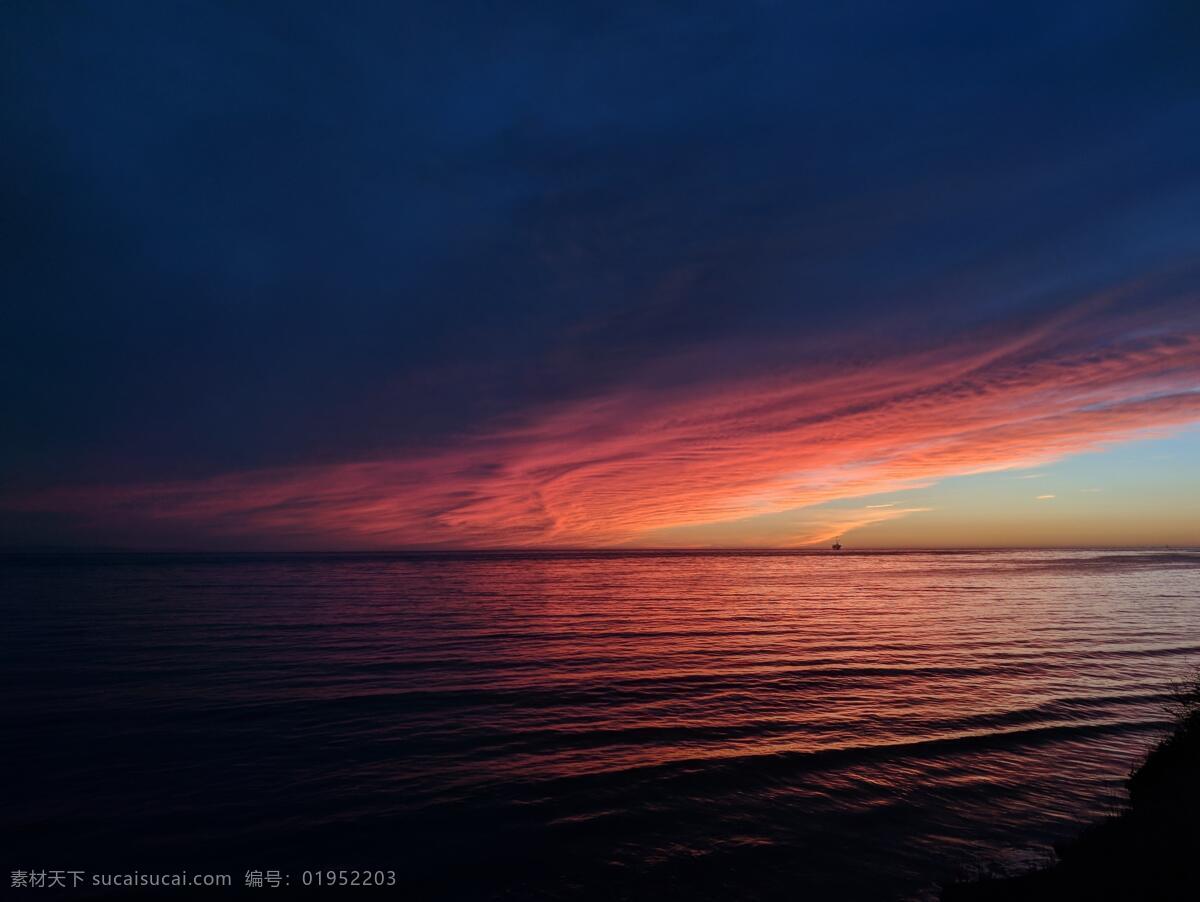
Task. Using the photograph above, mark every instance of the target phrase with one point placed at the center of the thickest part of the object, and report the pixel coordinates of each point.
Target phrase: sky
(450, 275)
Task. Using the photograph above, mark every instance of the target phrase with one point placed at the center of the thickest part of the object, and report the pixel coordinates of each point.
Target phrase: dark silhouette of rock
(1147, 852)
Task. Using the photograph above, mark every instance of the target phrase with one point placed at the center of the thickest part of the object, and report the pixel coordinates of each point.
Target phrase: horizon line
(691, 549)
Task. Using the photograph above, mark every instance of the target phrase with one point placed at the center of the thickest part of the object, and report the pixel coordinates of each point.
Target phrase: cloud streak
(649, 464)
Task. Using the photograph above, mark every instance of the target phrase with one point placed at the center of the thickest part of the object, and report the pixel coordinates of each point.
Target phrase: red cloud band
(624, 467)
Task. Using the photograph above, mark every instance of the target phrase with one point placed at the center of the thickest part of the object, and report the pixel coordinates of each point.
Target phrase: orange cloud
(634, 465)
(794, 528)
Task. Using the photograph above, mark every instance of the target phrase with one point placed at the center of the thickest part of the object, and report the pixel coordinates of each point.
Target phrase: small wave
(1128, 560)
(713, 773)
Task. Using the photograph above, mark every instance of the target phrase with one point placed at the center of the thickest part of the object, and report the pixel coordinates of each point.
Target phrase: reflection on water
(724, 725)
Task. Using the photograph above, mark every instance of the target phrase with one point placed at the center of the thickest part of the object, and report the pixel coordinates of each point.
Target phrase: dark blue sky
(253, 235)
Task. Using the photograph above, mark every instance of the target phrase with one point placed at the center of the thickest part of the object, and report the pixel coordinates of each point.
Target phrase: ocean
(720, 725)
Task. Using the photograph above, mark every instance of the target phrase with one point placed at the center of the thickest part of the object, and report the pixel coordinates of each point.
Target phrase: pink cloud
(623, 467)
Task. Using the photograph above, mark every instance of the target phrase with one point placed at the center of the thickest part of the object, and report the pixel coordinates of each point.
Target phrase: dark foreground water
(716, 726)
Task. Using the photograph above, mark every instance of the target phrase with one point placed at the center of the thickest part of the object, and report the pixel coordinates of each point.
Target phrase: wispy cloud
(1045, 497)
(628, 466)
(794, 528)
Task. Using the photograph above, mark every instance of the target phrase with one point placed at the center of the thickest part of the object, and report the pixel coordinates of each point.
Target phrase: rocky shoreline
(1148, 851)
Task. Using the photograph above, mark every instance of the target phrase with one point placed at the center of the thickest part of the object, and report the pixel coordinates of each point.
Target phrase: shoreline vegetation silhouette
(1145, 851)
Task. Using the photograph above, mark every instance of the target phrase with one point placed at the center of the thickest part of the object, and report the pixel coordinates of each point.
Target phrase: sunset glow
(545, 307)
(728, 452)
(737, 461)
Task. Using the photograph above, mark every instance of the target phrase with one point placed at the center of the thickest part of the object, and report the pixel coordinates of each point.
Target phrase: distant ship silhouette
(837, 544)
